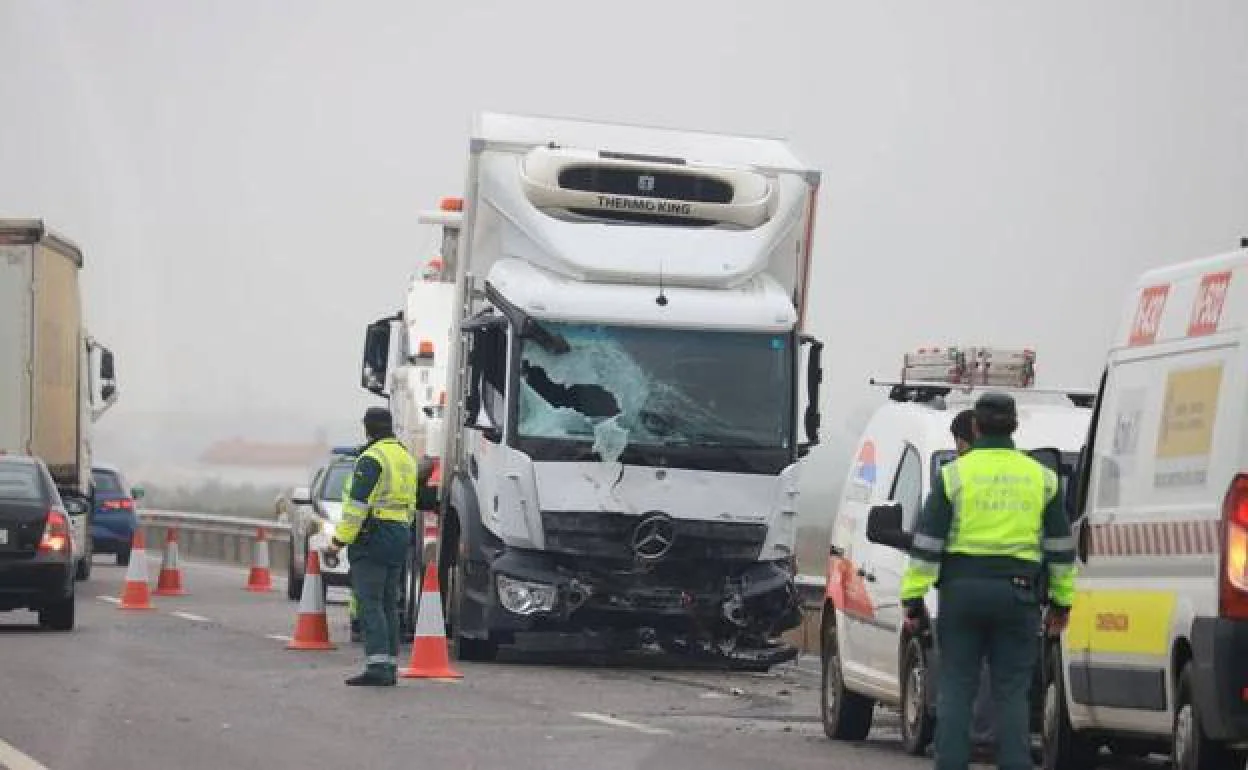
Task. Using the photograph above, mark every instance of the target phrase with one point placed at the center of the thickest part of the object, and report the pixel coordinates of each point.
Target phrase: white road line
(109, 599)
(189, 616)
(278, 637)
(606, 720)
(13, 759)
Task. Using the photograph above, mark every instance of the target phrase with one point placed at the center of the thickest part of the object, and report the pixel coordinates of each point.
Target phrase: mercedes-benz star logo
(653, 537)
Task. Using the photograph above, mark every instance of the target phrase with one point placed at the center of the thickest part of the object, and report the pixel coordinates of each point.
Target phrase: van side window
(908, 486)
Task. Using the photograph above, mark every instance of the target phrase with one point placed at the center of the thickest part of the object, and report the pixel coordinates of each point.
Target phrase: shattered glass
(621, 386)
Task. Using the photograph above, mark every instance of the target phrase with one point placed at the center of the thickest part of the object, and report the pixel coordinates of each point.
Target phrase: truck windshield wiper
(549, 341)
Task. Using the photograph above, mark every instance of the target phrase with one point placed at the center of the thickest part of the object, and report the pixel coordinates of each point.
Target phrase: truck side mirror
(108, 366)
(884, 527)
(376, 361)
(814, 378)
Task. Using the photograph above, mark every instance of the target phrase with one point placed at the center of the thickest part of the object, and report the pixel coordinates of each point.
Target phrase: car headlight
(523, 597)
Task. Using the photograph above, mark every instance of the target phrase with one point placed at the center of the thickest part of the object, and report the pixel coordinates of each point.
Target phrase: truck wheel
(58, 616)
(480, 650)
(1190, 749)
(846, 715)
(412, 586)
(1064, 748)
(294, 580)
(917, 724)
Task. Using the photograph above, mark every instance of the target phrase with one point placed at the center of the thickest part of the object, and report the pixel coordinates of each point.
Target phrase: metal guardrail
(213, 536)
(211, 522)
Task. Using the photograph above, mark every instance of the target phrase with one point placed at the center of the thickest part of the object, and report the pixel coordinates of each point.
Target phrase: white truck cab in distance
(1156, 654)
(868, 658)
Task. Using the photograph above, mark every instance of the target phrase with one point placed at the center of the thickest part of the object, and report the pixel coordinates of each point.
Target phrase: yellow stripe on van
(1129, 622)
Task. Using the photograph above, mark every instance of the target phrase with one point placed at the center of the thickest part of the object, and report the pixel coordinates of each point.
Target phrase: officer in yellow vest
(993, 518)
(375, 528)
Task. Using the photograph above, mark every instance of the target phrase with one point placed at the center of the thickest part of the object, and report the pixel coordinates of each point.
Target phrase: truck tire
(1190, 749)
(917, 721)
(294, 580)
(58, 616)
(1063, 747)
(477, 650)
(846, 715)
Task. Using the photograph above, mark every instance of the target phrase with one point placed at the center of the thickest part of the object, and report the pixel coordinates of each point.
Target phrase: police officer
(992, 519)
(376, 520)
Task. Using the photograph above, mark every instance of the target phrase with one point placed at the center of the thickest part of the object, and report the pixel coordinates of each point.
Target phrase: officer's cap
(379, 416)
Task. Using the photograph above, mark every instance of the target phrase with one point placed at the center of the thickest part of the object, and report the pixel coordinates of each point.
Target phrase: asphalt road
(205, 682)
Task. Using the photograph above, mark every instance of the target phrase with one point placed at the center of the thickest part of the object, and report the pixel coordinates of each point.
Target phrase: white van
(868, 658)
(1156, 655)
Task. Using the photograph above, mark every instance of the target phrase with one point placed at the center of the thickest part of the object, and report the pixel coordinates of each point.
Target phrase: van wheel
(58, 616)
(1063, 748)
(917, 724)
(1190, 749)
(846, 715)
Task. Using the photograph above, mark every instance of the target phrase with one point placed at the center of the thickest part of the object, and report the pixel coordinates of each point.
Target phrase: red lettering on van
(1148, 315)
(1210, 300)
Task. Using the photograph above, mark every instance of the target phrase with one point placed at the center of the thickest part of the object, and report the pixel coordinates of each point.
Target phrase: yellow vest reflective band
(998, 497)
(393, 497)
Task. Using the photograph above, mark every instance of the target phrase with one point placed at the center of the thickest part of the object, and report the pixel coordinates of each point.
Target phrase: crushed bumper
(706, 599)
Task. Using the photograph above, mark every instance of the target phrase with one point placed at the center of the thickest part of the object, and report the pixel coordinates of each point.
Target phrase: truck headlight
(523, 597)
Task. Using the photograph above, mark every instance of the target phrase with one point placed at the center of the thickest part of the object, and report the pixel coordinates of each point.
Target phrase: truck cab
(623, 416)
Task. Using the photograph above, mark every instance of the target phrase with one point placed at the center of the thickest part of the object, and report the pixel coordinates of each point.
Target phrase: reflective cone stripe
(135, 594)
(311, 624)
(430, 659)
(260, 578)
(169, 581)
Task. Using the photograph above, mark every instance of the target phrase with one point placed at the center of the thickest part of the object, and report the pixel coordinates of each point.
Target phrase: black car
(36, 544)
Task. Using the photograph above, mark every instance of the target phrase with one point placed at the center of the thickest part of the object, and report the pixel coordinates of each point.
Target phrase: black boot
(356, 635)
(373, 676)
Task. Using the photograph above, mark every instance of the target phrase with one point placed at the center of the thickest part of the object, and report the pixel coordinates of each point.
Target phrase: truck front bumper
(709, 598)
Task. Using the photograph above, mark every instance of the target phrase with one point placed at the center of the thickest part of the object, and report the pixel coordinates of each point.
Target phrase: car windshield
(107, 482)
(617, 386)
(20, 481)
(334, 481)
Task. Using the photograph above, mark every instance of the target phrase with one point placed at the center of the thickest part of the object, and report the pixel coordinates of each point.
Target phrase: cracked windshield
(617, 386)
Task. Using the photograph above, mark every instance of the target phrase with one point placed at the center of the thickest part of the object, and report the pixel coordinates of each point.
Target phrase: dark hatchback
(114, 519)
(36, 547)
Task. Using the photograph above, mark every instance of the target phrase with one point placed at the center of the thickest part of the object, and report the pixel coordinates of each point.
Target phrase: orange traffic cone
(430, 659)
(135, 594)
(169, 581)
(312, 624)
(260, 579)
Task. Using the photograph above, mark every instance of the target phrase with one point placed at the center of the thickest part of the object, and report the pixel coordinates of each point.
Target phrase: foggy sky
(244, 177)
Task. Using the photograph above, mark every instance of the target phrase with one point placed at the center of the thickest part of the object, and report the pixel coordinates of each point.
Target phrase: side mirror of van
(884, 527)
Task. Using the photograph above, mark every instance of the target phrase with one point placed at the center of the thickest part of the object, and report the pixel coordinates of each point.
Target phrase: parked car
(314, 511)
(37, 548)
(115, 519)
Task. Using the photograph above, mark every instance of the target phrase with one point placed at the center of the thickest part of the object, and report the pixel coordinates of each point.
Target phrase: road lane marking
(191, 617)
(13, 759)
(278, 637)
(109, 599)
(606, 720)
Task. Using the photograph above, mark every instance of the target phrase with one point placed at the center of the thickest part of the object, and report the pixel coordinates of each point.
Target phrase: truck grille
(607, 535)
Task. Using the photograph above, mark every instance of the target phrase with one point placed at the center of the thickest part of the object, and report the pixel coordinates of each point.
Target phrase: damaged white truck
(629, 391)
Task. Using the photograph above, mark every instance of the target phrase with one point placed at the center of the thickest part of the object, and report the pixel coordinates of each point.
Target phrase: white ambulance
(1156, 655)
(868, 658)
